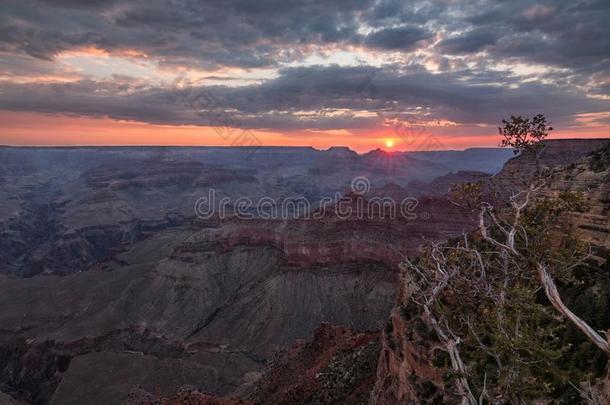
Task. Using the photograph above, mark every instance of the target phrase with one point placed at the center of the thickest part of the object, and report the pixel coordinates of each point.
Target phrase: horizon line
(120, 146)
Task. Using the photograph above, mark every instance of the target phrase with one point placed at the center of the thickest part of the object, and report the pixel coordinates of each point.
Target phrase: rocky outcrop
(590, 177)
(364, 235)
(412, 367)
(555, 153)
(337, 366)
(185, 396)
(334, 366)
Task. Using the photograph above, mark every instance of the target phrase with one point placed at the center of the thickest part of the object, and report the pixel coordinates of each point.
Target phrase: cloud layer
(290, 65)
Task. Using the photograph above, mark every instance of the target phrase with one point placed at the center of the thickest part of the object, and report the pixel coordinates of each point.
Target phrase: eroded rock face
(591, 178)
(211, 321)
(185, 396)
(333, 366)
(336, 366)
(556, 152)
(362, 236)
(412, 367)
(66, 210)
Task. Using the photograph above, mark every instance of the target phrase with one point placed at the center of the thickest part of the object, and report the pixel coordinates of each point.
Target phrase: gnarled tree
(482, 294)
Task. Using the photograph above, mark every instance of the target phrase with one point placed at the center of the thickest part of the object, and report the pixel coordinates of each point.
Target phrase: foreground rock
(336, 367)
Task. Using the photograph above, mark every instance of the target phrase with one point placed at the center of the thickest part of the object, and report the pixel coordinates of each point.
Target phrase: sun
(389, 143)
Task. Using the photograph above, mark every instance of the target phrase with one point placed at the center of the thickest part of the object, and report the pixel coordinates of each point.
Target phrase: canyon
(115, 290)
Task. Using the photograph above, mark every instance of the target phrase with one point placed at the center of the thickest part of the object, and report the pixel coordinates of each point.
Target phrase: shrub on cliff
(504, 304)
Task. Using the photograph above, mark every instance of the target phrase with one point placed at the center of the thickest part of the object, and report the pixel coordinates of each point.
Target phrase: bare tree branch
(553, 295)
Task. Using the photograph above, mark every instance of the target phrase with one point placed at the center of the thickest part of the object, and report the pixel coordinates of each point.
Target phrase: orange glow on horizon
(38, 129)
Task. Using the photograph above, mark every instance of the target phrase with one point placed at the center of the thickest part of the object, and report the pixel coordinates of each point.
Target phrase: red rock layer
(336, 367)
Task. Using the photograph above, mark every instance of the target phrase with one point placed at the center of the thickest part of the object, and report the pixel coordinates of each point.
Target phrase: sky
(395, 74)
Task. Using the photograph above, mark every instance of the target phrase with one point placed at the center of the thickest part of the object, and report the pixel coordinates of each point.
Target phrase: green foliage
(600, 160)
(512, 340)
(524, 134)
(514, 345)
(589, 296)
(466, 194)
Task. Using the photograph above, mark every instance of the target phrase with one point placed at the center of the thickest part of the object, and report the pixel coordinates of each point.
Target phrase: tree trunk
(553, 295)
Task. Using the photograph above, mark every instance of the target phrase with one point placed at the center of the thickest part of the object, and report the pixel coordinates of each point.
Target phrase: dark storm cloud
(77, 3)
(563, 33)
(24, 66)
(316, 97)
(209, 33)
(571, 35)
(470, 42)
(400, 38)
(245, 33)
(392, 12)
